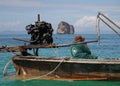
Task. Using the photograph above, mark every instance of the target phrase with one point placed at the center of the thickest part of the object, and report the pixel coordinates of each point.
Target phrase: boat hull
(67, 68)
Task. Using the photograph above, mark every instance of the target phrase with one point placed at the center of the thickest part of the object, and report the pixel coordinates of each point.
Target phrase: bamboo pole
(23, 48)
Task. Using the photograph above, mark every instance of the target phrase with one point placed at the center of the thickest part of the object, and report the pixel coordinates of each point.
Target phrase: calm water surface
(109, 48)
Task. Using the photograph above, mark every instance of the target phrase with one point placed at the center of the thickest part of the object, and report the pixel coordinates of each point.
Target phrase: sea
(108, 47)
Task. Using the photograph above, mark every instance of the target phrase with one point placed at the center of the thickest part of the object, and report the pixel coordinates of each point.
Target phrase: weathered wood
(66, 68)
(65, 45)
(59, 45)
(72, 60)
(12, 49)
(23, 48)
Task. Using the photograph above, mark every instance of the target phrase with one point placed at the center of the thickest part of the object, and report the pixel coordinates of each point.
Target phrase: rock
(65, 28)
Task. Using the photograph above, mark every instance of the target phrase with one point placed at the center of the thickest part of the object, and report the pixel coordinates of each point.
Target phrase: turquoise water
(58, 83)
(109, 48)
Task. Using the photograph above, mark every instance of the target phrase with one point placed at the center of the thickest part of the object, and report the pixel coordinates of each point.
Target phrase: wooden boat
(66, 68)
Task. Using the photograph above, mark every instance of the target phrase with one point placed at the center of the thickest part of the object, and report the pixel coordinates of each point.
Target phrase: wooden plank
(70, 60)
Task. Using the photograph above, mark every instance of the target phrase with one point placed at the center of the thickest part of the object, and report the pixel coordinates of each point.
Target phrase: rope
(6, 67)
(8, 63)
(47, 73)
(56, 52)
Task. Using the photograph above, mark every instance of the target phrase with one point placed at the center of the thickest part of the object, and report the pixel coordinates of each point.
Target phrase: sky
(16, 14)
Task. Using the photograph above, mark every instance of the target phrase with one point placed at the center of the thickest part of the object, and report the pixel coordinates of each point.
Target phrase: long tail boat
(67, 68)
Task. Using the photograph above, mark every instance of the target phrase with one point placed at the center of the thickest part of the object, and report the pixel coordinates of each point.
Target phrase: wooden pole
(23, 48)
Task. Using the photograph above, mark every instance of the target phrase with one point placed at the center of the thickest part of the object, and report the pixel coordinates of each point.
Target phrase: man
(81, 50)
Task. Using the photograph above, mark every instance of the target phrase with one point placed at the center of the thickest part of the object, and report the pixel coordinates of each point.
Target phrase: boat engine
(41, 32)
